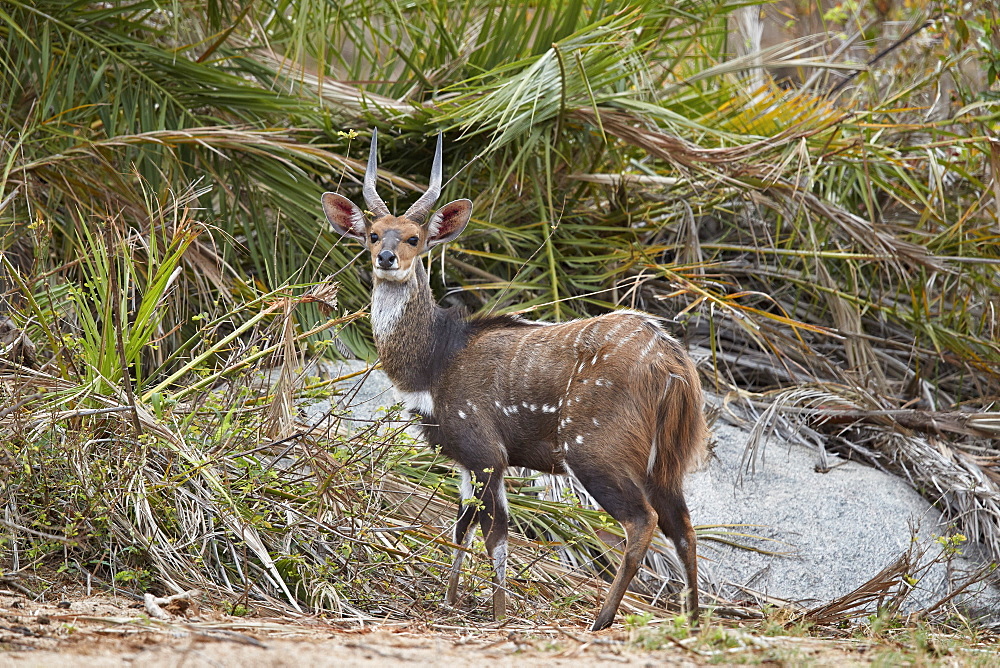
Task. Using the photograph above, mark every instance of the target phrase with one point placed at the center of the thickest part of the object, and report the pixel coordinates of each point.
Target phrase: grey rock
(833, 531)
(360, 400)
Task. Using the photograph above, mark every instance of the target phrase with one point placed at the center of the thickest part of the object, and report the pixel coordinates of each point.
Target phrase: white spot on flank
(533, 407)
(628, 338)
(579, 439)
(603, 382)
(524, 404)
(566, 446)
(418, 402)
(668, 385)
(497, 404)
(548, 409)
(462, 414)
(584, 381)
(596, 423)
(559, 405)
(609, 335)
(593, 361)
(652, 457)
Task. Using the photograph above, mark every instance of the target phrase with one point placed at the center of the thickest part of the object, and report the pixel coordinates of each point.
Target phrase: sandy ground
(102, 630)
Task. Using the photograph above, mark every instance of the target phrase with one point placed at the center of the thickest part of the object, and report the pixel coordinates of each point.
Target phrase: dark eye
(373, 237)
(413, 241)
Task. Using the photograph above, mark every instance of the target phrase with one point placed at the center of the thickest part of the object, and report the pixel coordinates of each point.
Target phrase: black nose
(386, 259)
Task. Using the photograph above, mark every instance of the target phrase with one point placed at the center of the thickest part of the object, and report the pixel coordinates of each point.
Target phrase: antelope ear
(448, 222)
(344, 216)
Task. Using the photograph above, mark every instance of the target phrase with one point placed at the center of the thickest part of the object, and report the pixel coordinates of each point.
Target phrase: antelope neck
(415, 338)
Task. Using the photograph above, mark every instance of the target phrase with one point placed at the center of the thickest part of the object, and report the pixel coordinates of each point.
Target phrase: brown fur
(634, 397)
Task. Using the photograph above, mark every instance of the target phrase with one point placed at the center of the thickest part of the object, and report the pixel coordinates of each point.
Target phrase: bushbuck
(612, 400)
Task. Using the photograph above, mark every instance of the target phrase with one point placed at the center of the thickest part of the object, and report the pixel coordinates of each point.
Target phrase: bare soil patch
(101, 630)
(98, 630)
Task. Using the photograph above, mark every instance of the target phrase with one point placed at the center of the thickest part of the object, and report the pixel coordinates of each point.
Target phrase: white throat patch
(389, 299)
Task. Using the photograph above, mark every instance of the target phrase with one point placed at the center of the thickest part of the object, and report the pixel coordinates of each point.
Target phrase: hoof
(601, 624)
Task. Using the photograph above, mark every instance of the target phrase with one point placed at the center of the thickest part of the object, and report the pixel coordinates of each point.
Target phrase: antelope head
(395, 242)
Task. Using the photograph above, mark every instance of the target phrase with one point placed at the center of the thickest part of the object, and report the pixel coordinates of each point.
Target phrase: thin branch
(883, 53)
